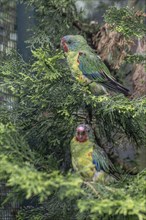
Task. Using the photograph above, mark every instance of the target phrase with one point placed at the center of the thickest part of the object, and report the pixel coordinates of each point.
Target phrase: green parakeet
(89, 159)
(87, 67)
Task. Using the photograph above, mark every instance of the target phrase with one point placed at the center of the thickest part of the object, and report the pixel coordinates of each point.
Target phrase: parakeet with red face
(87, 67)
(88, 159)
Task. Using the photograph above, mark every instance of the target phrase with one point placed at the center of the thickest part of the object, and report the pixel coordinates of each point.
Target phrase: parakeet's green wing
(101, 161)
(94, 69)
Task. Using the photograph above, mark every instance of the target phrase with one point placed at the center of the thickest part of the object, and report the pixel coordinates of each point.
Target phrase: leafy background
(42, 105)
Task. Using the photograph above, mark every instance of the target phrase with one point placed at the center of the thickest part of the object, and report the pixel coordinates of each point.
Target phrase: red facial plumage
(64, 45)
(81, 134)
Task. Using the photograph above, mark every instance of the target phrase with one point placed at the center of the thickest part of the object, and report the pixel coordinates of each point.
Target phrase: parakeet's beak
(64, 45)
(62, 42)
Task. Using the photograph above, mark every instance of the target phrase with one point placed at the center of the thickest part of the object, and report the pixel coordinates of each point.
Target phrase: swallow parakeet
(87, 67)
(88, 159)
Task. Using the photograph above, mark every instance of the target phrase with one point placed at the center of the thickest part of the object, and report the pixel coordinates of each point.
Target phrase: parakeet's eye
(81, 133)
(69, 42)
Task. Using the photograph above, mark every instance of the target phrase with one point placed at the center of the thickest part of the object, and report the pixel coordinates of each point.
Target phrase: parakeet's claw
(99, 176)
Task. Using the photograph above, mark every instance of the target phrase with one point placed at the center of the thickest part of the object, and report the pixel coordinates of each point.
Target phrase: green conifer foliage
(41, 107)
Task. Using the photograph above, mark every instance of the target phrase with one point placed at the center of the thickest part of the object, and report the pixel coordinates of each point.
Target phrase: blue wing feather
(101, 160)
(95, 70)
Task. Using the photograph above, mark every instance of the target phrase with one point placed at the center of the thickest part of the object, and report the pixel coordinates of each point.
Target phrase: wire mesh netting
(8, 209)
(8, 36)
(8, 39)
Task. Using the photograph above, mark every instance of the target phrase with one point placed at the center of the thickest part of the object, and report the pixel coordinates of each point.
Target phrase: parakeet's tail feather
(115, 86)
